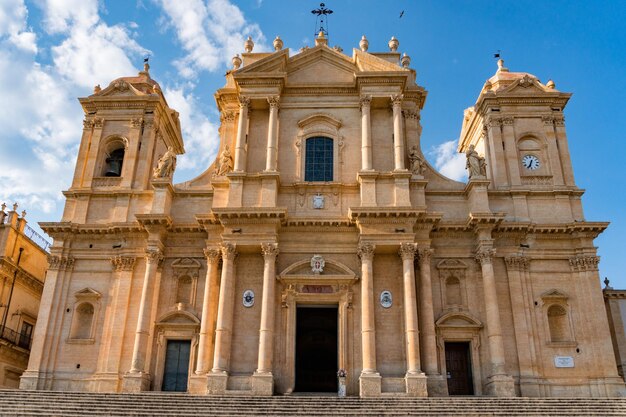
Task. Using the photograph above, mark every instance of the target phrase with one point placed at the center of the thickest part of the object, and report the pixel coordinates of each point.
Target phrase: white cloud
(13, 15)
(200, 134)
(210, 32)
(448, 161)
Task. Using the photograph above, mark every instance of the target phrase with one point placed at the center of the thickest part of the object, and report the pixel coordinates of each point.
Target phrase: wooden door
(176, 365)
(459, 368)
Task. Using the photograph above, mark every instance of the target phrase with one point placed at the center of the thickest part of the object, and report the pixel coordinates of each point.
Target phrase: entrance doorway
(459, 368)
(176, 370)
(316, 349)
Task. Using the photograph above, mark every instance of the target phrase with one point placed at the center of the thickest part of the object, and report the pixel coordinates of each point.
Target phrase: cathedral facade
(321, 248)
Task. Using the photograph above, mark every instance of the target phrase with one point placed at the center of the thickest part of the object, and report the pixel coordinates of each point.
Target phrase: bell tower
(128, 126)
(517, 124)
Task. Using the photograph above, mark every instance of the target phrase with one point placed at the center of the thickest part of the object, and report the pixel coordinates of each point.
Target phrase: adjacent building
(23, 267)
(321, 240)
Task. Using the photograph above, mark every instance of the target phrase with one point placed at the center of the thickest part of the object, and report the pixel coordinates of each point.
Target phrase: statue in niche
(475, 164)
(166, 165)
(417, 162)
(225, 162)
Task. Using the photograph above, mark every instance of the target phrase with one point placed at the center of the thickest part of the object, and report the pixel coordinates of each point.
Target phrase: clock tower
(517, 123)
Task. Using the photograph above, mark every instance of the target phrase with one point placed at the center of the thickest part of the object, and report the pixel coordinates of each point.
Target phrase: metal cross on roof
(321, 13)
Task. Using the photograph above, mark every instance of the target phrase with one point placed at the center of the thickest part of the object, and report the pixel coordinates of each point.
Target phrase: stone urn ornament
(341, 379)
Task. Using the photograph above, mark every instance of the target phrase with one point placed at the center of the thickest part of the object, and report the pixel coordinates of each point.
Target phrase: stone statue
(166, 165)
(417, 162)
(476, 164)
(225, 162)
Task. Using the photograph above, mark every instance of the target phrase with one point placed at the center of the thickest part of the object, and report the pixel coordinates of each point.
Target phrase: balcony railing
(15, 338)
(37, 238)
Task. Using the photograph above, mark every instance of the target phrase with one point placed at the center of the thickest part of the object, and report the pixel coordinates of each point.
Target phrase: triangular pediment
(525, 85)
(320, 65)
(186, 263)
(369, 63)
(553, 294)
(451, 264)
(120, 88)
(274, 63)
(87, 293)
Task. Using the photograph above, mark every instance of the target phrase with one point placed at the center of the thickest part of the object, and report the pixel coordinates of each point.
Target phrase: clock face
(530, 162)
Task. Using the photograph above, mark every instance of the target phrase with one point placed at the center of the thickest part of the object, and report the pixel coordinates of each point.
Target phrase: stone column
(495, 150)
(369, 381)
(566, 161)
(263, 380)
(499, 384)
(366, 134)
(210, 287)
(415, 378)
(223, 329)
(240, 141)
(398, 136)
(271, 161)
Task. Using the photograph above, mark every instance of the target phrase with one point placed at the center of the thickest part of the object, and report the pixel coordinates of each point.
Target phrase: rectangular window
(319, 159)
(26, 334)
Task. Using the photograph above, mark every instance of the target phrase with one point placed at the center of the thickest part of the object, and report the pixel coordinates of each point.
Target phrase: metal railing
(39, 240)
(15, 338)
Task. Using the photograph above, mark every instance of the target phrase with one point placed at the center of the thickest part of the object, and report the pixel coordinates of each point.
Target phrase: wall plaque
(564, 361)
(317, 264)
(318, 202)
(248, 298)
(385, 299)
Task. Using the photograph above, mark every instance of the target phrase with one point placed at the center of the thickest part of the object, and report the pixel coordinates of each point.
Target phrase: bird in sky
(401, 14)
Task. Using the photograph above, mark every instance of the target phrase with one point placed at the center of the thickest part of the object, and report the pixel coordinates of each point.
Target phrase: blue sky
(53, 51)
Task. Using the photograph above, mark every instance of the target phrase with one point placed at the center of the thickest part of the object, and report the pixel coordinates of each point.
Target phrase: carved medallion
(318, 201)
(317, 264)
(386, 300)
(248, 298)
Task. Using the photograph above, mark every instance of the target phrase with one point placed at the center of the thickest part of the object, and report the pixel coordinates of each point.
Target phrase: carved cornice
(154, 256)
(407, 251)
(269, 250)
(123, 263)
(212, 254)
(485, 255)
(365, 251)
(7, 268)
(584, 263)
(517, 263)
(229, 251)
(60, 263)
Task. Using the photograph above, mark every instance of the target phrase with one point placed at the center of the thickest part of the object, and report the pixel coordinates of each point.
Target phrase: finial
(97, 89)
(606, 284)
(321, 39)
(14, 206)
(405, 61)
(23, 213)
(364, 44)
(248, 45)
(550, 84)
(278, 43)
(501, 66)
(236, 62)
(393, 44)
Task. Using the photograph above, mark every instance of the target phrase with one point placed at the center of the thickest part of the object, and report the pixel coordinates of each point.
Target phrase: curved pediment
(333, 271)
(458, 319)
(178, 317)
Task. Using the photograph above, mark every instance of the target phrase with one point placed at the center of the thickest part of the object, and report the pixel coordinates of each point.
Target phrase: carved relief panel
(452, 276)
(185, 272)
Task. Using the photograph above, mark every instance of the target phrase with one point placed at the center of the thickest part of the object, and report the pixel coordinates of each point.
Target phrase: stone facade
(23, 266)
(615, 303)
(320, 196)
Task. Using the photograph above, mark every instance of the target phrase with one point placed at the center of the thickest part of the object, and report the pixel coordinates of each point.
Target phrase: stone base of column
(437, 385)
(370, 385)
(416, 385)
(32, 380)
(198, 384)
(136, 382)
(500, 386)
(401, 188)
(106, 382)
(216, 383)
(262, 384)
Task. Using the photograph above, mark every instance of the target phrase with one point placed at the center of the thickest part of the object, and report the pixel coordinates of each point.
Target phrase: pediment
(525, 85)
(120, 88)
(458, 319)
(178, 317)
(320, 65)
(87, 293)
(275, 63)
(186, 263)
(451, 264)
(331, 268)
(367, 63)
(554, 294)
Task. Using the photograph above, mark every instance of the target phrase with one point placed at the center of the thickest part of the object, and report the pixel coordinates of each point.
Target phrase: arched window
(453, 291)
(114, 162)
(557, 322)
(319, 159)
(83, 321)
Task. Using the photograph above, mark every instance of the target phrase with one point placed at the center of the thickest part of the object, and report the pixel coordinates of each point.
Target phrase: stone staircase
(51, 403)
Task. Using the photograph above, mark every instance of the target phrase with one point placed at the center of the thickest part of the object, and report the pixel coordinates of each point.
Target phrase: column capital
(365, 101)
(407, 251)
(411, 115)
(365, 251)
(396, 100)
(123, 263)
(61, 263)
(212, 254)
(229, 251)
(154, 256)
(274, 101)
(136, 122)
(424, 254)
(244, 102)
(559, 120)
(485, 255)
(269, 250)
(584, 263)
(517, 263)
(227, 116)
